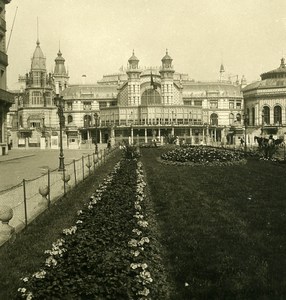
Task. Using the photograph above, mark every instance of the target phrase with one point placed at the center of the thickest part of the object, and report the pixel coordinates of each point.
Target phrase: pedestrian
(108, 144)
(241, 142)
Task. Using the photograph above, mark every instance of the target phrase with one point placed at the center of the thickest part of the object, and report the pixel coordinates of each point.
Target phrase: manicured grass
(26, 254)
(223, 227)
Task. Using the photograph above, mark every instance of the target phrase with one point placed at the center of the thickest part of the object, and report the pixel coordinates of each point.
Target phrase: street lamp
(95, 122)
(58, 101)
(245, 121)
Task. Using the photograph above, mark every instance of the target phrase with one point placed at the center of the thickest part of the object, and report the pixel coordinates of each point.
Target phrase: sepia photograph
(142, 149)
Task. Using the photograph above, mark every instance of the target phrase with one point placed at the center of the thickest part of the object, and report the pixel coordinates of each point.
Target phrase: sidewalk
(15, 154)
(19, 153)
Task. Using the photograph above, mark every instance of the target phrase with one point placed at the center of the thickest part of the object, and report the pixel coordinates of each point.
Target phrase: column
(191, 135)
(112, 136)
(100, 137)
(146, 140)
(131, 135)
(215, 135)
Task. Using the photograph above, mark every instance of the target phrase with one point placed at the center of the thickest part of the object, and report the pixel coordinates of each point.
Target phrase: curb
(14, 158)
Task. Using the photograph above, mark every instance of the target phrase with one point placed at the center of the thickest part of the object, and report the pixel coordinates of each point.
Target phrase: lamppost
(95, 123)
(245, 121)
(58, 100)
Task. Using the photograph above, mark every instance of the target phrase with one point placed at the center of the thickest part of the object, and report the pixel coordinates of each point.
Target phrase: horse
(261, 141)
(278, 142)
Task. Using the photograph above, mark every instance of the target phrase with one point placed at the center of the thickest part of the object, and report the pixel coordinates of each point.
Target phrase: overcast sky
(97, 36)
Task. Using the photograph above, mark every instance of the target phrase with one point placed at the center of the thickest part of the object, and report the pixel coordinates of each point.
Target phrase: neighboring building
(6, 98)
(155, 103)
(33, 118)
(265, 104)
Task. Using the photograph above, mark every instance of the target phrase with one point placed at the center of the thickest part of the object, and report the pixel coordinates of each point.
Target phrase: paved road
(22, 164)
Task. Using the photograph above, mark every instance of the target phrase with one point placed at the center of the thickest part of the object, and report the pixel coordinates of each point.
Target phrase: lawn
(223, 227)
(215, 232)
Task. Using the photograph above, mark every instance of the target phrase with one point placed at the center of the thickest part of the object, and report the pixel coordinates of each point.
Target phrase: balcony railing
(2, 24)
(3, 59)
(6, 96)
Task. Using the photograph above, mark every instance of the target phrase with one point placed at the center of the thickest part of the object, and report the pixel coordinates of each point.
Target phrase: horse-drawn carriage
(268, 145)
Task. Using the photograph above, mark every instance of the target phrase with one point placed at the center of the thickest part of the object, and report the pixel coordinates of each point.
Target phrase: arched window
(231, 119)
(150, 97)
(277, 115)
(70, 119)
(266, 115)
(238, 118)
(253, 116)
(86, 121)
(214, 119)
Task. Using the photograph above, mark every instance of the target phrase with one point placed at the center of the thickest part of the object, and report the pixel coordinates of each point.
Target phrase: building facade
(33, 118)
(141, 105)
(6, 98)
(265, 104)
(136, 105)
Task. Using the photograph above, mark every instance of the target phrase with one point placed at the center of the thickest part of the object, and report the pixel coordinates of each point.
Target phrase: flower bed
(201, 155)
(110, 253)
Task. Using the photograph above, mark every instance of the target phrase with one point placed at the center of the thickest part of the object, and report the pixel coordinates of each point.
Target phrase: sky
(97, 37)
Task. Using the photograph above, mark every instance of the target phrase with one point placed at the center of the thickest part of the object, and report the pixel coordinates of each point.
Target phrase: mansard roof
(192, 88)
(90, 91)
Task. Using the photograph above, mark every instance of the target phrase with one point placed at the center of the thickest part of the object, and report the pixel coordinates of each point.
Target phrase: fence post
(74, 168)
(64, 180)
(94, 162)
(104, 154)
(82, 160)
(25, 203)
(101, 156)
(49, 187)
(89, 164)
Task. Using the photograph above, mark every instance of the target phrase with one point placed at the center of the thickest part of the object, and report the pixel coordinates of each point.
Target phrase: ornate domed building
(34, 116)
(265, 104)
(142, 104)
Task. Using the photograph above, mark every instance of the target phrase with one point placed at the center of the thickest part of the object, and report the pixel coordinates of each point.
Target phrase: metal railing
(31, 197)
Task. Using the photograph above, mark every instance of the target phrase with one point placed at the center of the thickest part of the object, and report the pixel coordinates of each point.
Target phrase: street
(22, 164)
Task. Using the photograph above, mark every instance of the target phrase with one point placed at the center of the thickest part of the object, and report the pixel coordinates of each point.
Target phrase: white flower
(79, 222)
(142, 223)
(132, 243)
(79, 212)
(135, 253)
(29, 296)
(25, 279)
(40, 274)
(186, 284)
(145, 292)
(144, 266)
(138, 232)
(22, 290)
(134, 266)
(50, 261)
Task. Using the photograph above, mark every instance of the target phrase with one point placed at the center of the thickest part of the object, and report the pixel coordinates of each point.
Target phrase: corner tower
(133, 73)
(167, 79)
(60, 75)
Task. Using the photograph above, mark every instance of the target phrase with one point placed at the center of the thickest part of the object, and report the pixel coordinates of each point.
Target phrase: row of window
(266, 115)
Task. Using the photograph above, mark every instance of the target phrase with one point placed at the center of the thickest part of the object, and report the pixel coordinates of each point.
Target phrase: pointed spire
(38, 42)
(282, 65)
